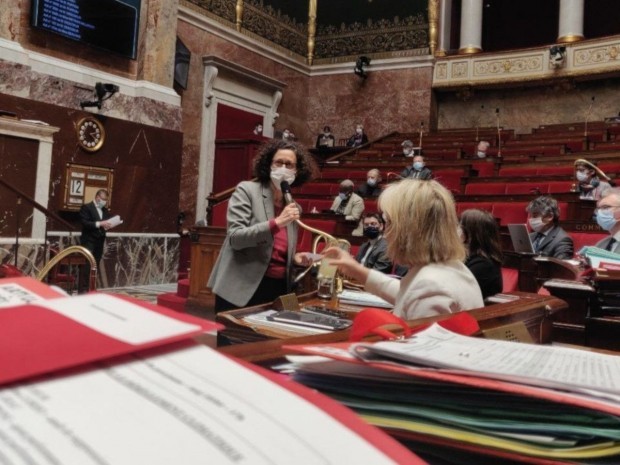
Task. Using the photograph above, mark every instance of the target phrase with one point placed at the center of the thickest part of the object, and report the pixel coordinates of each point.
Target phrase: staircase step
(172, 301)
(183, 288)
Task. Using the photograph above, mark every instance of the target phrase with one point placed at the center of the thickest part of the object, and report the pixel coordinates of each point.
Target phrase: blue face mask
(418, 165)
(342, 196)
(605, 219)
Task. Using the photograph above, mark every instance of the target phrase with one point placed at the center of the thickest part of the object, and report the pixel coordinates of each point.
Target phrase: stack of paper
(517, 401)
(363, 299)
(98, 379)
(596, 256)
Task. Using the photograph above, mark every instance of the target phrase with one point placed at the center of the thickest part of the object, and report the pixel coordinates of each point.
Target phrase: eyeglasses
(280, 163)
(605, 208)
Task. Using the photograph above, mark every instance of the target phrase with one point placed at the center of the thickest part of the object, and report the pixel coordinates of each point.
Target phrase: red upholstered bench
(484, 168)
(486, 188)
(462, 206)
(526, 188)
(510, 212)
(517, 171)
(556, 170)
(581, 239)
(559, 187)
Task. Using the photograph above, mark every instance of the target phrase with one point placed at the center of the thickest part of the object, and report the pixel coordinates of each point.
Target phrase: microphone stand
(421, 132)
(585, 127)
(499, 135)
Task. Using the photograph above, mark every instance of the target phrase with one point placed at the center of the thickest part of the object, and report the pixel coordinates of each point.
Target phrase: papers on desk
(141, 391)
(501, 398)
(363, 299)
(596, 255)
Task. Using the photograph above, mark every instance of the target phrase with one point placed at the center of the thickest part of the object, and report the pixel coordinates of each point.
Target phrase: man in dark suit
(94, 216)
(548, 238)
(417, 170)
(373, 253)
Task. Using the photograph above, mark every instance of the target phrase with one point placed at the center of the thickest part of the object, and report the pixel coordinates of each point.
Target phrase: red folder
(35, 340)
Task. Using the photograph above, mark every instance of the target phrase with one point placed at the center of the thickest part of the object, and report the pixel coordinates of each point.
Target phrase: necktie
(611, 244)
(536, 244)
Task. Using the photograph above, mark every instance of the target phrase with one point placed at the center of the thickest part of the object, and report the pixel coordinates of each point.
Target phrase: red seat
(370, 206)
(517, 171)
(555, 170)
(450, 181)
(510, 278)
(315, 188)
(485, 188)
(484, 168)
(536, 188)
(510, 212)
(462, 206)
(582, 239)
(318, 204)
(558, 187)
(334, 174)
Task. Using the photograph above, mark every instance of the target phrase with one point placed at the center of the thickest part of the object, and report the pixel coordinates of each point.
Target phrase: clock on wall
(90, 134)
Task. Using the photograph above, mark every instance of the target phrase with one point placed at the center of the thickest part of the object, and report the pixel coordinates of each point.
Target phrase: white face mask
(481, 154)
(101, 203)
(536, 224)
(282, 174)
(371, 182)
(581, 176)
(286, 134)
(359, 130)
(407, 152)
(259, 129)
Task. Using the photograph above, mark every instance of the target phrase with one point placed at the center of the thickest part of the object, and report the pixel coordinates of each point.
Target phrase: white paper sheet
(560, 367)
(118, 318)
(193, 406)
(12, 294)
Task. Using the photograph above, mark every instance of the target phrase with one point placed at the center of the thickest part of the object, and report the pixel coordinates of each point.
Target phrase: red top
(277, 264)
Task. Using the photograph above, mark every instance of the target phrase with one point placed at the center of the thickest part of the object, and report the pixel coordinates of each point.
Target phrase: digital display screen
(107, 24)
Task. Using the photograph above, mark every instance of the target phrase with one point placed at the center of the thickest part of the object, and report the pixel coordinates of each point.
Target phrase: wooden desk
(535, 311)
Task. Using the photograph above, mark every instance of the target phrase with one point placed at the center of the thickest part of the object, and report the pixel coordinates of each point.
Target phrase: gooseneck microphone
(285, 187)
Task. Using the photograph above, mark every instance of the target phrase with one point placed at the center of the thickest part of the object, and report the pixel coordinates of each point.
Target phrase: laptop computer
(520, 237)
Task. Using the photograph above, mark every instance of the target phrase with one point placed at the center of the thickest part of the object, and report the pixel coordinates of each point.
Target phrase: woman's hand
(289, 214)
(303, 259)
(346, 264)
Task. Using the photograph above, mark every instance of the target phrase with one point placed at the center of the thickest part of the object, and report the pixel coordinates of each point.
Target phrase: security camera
(359, 66)
(557, 55)
(102, 92)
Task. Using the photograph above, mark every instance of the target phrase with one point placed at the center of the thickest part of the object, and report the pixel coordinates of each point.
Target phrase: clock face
(90, 133)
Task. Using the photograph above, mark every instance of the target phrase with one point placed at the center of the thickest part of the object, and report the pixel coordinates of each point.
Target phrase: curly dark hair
(306, 167)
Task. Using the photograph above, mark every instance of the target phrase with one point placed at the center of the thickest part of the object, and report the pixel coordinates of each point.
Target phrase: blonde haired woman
(422, 232)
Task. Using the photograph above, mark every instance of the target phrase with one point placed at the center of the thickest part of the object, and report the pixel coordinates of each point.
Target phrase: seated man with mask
(373, 253)
(548, 238)
(417, 170)
(349, 204)
(608, 218)
(371, 188)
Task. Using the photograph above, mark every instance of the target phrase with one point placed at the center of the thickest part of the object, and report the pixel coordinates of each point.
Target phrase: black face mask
(371, 232)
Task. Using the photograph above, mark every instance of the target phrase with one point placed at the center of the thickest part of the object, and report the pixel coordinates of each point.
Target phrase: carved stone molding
(210, 75)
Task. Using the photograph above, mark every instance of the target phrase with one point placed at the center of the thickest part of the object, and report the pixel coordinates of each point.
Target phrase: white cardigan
(430, 290)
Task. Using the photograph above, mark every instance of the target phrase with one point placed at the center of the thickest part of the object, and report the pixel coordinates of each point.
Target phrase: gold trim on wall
(469, 50)
(569, 39)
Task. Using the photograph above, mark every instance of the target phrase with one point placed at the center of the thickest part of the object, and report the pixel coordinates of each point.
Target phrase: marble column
(158, 46)
(445, 27)
(571, 21)
(471, 27)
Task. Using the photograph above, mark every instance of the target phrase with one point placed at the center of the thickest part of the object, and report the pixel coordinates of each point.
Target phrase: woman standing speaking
(259, 249)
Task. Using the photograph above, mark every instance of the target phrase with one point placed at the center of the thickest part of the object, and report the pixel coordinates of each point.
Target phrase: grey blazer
(603, 243)
(557, 243)
(247, 249)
